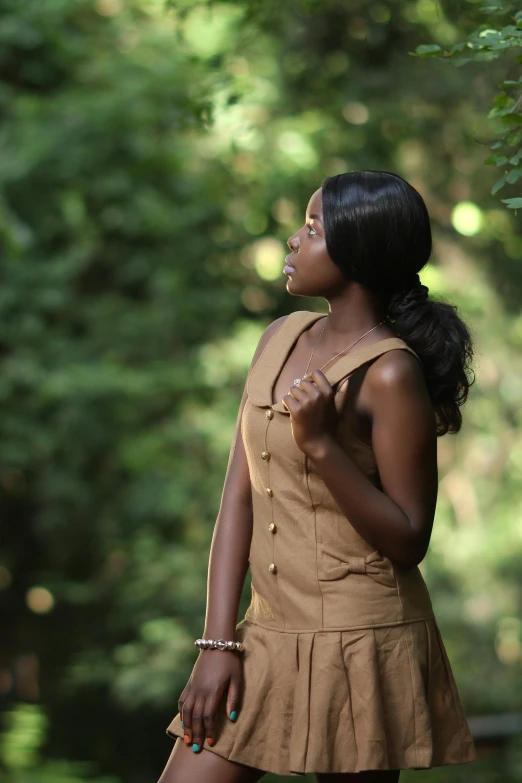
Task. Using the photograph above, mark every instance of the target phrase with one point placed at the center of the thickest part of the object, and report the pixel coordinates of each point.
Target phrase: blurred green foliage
(22, 737)
(500, 32)
(154, 159)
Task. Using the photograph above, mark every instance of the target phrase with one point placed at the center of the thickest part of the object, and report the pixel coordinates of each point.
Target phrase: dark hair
(377, 231)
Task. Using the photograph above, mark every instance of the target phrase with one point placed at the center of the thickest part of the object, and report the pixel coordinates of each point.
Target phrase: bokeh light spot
(268, 258)
(298, 149)
(255, 299)
(356, 113)
(255, 222)
(109, 7)
(207, 30)
(285, 211)
(467, 218)
(39, 600)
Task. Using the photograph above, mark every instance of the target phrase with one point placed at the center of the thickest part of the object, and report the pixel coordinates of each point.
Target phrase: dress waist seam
(366, 626)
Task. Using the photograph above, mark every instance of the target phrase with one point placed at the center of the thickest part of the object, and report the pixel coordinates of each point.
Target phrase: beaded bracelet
(218, 644)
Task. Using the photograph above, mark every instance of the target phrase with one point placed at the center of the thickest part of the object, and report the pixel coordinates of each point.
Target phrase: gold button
(272, 568)
(269, 491)
(269, 413)
(265, 455)
(272, 527)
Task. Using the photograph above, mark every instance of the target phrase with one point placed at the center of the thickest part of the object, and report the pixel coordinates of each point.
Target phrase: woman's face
(315, 273)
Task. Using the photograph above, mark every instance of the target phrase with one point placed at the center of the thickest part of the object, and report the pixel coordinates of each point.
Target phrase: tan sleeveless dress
(345, 669)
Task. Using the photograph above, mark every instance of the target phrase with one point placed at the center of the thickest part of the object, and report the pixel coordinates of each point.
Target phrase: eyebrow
(316, 217)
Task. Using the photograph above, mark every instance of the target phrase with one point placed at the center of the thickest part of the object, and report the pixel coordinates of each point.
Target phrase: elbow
(412, 563)
(412, 553)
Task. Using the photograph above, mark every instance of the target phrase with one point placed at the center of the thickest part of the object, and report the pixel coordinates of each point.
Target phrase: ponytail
(442, 341)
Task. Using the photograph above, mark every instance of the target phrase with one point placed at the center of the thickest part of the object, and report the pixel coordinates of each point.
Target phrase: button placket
(266, 455)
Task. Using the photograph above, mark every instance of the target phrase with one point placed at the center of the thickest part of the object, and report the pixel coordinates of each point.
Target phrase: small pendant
(297, 381)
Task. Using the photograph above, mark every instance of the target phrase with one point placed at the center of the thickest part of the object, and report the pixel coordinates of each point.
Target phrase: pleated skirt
(344, 701)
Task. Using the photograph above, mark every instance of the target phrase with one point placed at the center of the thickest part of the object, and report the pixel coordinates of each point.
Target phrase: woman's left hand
(314, 409)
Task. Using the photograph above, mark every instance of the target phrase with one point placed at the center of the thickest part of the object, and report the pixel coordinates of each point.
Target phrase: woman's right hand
(215, 673)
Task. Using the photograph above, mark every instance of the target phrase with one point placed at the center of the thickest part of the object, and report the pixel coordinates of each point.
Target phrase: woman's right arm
(217, 671)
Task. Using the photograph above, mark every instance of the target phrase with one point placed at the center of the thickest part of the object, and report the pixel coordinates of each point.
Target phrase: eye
(311, 228)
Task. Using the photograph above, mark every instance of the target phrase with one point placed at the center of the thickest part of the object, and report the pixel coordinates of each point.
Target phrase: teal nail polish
(233, 715)
(182, 725)
(195, 747)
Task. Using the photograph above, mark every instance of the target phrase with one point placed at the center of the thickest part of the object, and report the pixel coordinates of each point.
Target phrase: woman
(329, 497)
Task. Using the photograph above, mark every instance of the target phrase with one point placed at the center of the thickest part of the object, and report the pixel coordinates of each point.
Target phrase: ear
(340, 395)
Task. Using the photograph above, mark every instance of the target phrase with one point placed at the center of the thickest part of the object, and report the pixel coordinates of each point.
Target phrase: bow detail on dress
(336, 566)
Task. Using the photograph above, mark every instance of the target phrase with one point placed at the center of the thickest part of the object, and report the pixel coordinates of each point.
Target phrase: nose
(293, 243)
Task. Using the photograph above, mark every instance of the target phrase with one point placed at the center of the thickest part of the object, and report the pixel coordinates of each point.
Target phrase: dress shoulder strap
(273, 356)
(346, 365)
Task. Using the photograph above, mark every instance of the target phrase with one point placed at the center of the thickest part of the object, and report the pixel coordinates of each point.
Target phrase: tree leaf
(498, 185)
(513, 203)
(428, 50)
(514, 175)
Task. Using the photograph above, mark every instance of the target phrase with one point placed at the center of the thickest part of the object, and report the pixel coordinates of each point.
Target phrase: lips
(289, 268)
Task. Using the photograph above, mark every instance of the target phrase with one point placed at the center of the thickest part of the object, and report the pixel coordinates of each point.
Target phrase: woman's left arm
(398, 520)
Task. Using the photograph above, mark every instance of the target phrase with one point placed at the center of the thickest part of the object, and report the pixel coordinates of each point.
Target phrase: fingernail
(233, 715)
(195, 747)
(186, 739)
(182, 725)
(210, 740)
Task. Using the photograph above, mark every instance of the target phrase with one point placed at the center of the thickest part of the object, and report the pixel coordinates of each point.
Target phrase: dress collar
(262, 377)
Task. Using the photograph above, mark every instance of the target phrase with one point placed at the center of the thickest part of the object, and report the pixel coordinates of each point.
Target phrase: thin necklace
(297, 381)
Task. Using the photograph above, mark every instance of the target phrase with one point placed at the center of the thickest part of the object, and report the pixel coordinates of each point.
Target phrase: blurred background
(154, 159)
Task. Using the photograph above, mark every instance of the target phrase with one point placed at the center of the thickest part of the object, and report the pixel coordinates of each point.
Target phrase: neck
(352, 313)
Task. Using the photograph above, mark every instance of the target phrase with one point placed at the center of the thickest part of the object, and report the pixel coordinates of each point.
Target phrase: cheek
(325, 263)
(317, 250)
(330, 267)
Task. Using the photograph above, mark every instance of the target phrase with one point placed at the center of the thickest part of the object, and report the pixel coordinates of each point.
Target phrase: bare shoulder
(397, 370)
(395, 393)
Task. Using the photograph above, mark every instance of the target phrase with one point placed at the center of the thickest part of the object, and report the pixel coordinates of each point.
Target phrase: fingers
(290, 402)
(186, 718)
(209, 716)
(193, 721)
(298, 392)
(199, 715)
(181, 701)
(311, 382)
(320, 380)
(234, 695)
